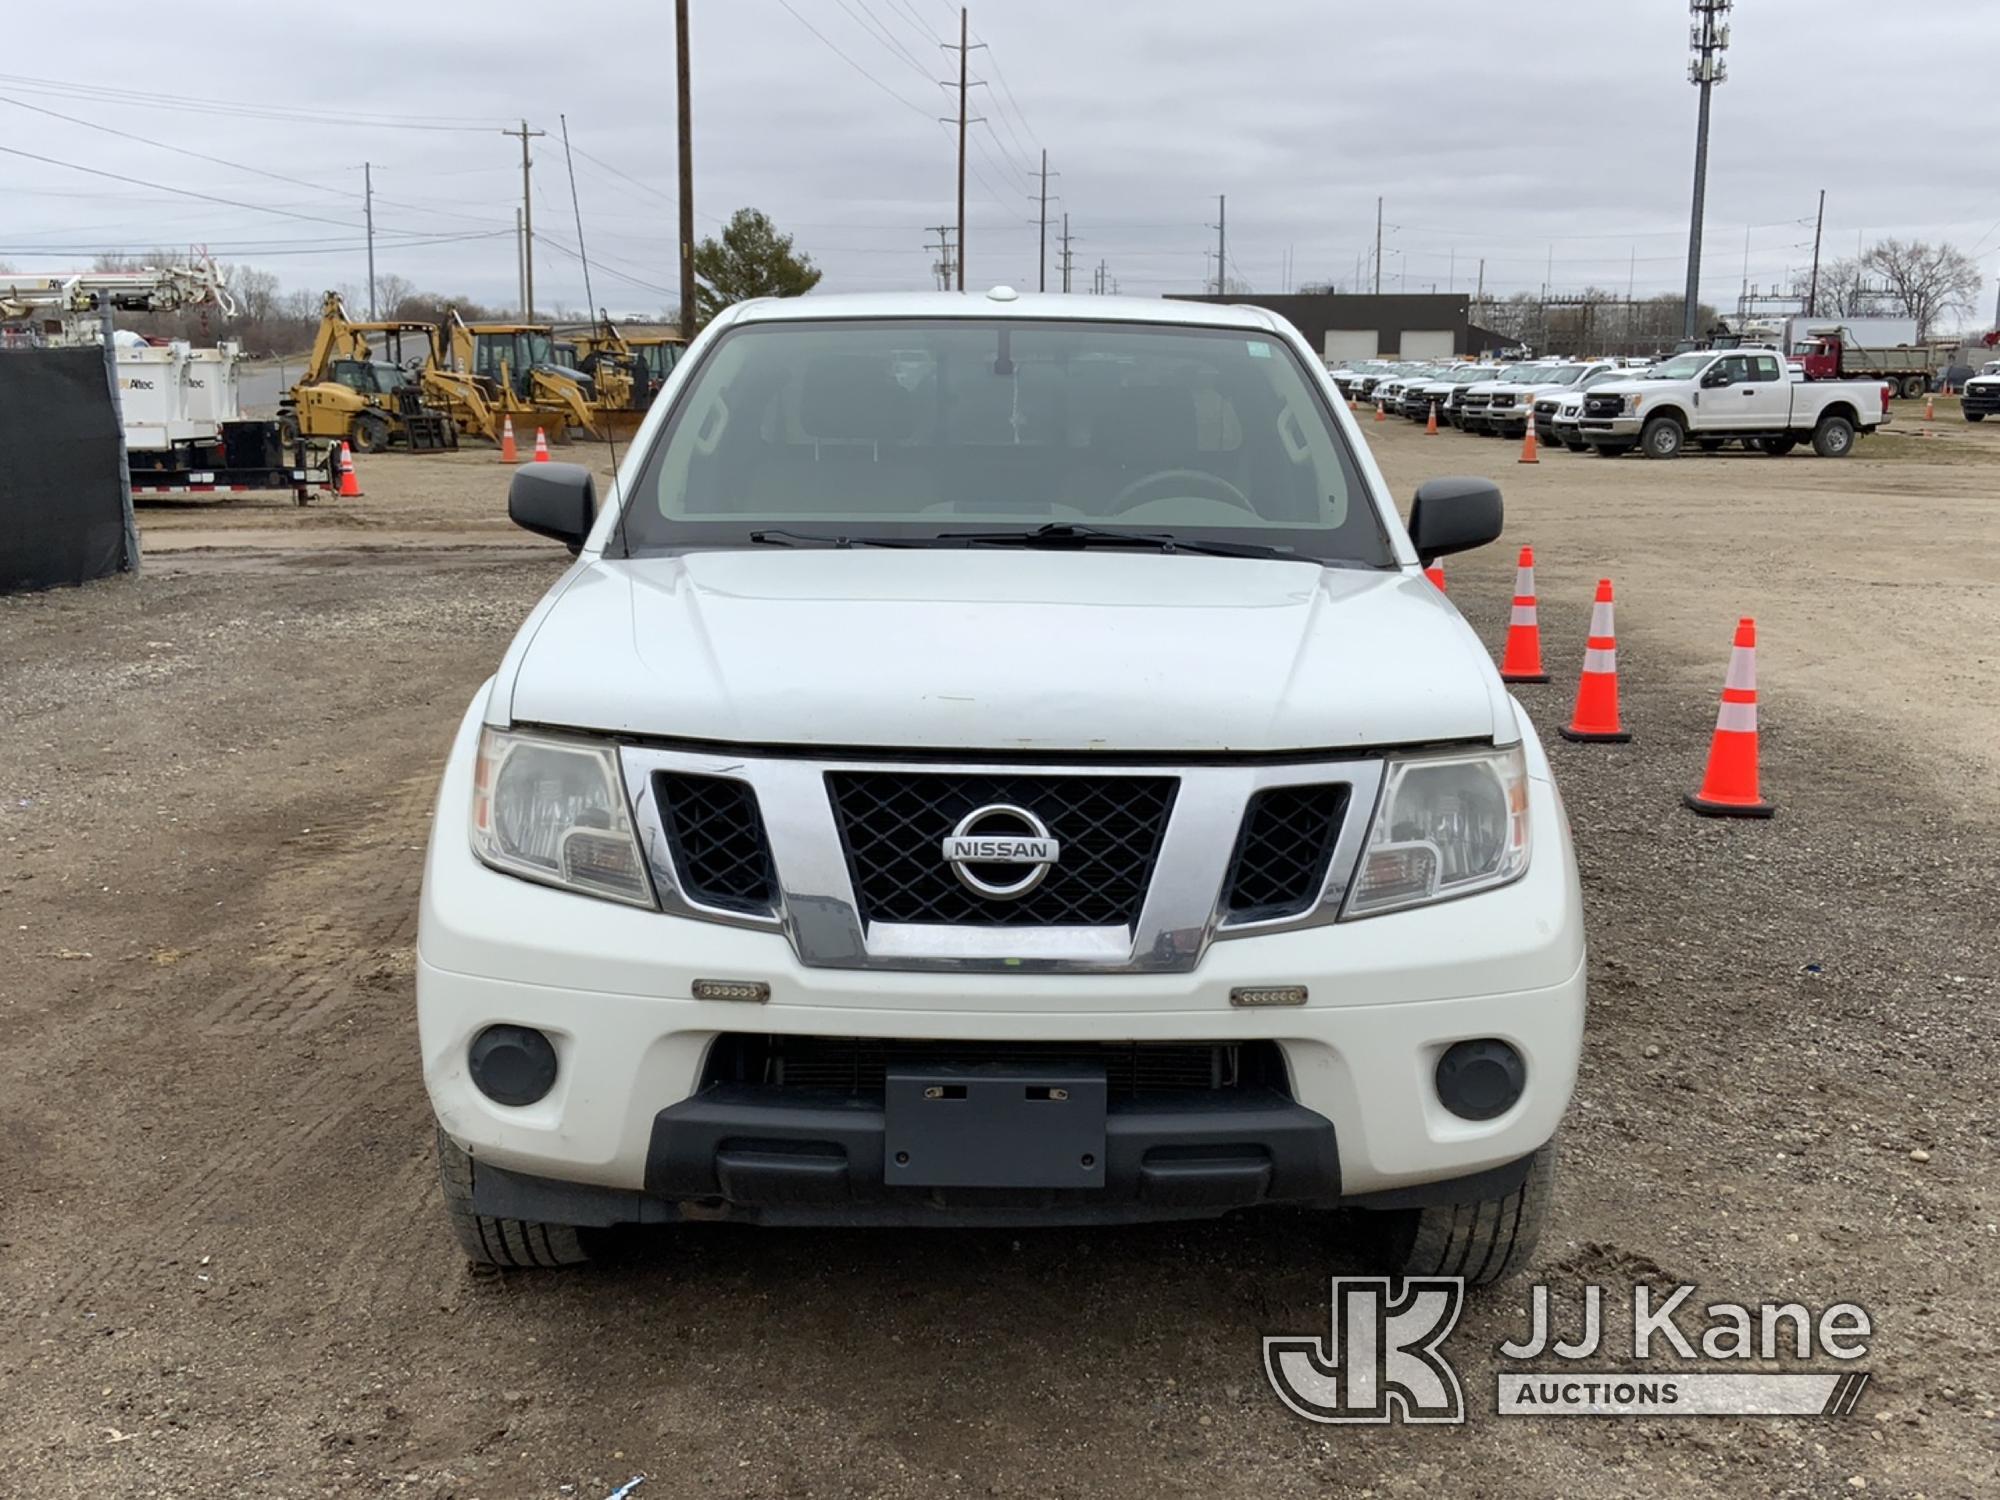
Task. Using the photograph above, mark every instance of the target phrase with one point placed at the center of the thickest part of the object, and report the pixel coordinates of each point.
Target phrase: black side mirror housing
(1454, 515)
(558, 500)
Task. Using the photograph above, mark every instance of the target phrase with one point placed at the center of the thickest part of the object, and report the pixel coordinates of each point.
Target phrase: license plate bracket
(994, 1127)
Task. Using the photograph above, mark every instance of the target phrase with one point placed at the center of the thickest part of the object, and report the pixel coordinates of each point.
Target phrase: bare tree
(1929, 280)
(1844, 291)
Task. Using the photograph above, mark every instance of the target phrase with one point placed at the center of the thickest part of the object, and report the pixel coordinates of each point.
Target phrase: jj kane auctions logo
(1383, 1360)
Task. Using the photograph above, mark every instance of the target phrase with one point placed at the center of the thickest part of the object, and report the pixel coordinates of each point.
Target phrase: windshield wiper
(777, 537)
(1064, 534)
(1054, 534)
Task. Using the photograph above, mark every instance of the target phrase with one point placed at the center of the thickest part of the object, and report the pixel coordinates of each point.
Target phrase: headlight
(1632, 402)
(554, 810)
(1445, 826)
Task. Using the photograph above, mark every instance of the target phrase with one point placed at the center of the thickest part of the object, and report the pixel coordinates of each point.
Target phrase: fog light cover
(1480, 1080)
(512, 1065)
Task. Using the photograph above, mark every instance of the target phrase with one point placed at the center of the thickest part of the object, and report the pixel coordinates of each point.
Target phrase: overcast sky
(1553, 139)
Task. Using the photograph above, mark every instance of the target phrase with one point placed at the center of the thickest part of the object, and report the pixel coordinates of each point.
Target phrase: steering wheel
(1212, 485)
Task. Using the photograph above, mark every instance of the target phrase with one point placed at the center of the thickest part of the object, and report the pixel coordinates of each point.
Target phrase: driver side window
(1732, 371)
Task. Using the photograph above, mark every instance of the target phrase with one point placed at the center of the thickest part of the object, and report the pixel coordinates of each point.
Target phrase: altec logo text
(1383, 1360)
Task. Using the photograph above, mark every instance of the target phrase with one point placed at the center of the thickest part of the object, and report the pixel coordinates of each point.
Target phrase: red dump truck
(1833, 353)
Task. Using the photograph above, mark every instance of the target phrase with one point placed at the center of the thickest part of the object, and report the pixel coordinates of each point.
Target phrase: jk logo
(1381, 1361)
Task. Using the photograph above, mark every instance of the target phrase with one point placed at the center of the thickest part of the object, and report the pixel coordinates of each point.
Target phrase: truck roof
(1045, 306)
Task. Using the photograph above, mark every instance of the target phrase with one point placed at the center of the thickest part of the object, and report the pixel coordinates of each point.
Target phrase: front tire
(371, 432)
(1664, 437)
(1833, 438)
(487, 1241)
(1975, 416)
(1484, 1241)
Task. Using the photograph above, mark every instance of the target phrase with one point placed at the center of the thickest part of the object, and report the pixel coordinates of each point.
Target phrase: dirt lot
(223, 1268)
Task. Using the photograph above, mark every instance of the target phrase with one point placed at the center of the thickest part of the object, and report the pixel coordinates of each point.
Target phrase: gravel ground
(223, 1266)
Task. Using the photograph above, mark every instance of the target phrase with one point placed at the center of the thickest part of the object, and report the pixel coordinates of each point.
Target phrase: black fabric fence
(65, 514)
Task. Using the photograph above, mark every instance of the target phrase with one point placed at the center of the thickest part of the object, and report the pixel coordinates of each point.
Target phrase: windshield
(1514, 374)
(1467, 377)
(903, 432)
(1606, 375)
(1560, 375)
(1680, 367)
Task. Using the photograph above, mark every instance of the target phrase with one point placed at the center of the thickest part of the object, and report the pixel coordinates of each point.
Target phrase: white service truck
(1715, 396)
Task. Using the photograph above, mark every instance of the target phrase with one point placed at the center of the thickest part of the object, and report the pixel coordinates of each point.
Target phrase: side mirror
(1713, 378)
(1454, 515)
(558, 500)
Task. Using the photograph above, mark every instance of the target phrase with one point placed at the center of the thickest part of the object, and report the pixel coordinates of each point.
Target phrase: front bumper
(1508, 421)
(1982, 401)
(611, 986)
(1623, 429)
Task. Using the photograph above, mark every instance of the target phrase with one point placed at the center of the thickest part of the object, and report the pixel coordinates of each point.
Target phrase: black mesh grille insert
(855, 1065)
(1283, 851)
(717, 838)
(893, 825)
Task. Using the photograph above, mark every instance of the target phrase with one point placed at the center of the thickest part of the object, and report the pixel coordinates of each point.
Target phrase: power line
(180, 192)
(237, 108)
(787, 7)
(872, 24)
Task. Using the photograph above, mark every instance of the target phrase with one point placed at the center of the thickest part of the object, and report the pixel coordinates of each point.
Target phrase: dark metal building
(1412, 325)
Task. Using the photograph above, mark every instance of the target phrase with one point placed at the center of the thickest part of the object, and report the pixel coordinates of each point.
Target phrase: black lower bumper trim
(771, 1154)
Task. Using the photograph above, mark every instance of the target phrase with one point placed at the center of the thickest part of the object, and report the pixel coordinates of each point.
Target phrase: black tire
(371, 432)
(288, 430)
(1777, 447)
(1833, 438)
(513, 1243)
(1484, 1241)
(1709, 445)
(1611, 450)
(1576, 445)
(1975, 416)
(1663, 437)
(1913, 387)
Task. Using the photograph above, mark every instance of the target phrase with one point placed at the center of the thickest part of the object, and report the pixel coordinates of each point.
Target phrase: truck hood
(1002, 650)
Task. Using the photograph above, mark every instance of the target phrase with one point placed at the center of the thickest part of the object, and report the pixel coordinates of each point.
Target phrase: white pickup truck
(1710, 397)
(997, 760)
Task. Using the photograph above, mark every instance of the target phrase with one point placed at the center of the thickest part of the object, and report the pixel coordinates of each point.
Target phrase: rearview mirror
(1454, 515)
(558, 500)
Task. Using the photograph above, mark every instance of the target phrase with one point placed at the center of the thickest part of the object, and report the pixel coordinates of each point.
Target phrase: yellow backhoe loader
(369, 384)
(492, 371)
(626, 369)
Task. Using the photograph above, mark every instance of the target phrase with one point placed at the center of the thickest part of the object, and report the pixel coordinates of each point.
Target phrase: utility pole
(684, 105)
(1065, 252)
(1378, 247)
(1709, 38)
(942, 266)
(964, 83)
(964, 25)
(1042, 276)
(368, 201)
(520, 269)
(1221, 245)
(1812, 289)
(527, 224)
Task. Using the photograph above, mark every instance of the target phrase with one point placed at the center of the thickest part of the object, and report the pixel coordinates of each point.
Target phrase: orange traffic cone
(1596, 715)
(1529, 453)
(1930, 408)
(1729, 788)
(541, 446)
(509, 454)
(1381, 412)
(1431, 427)
(350, 487)
(1523, 659)
(1435, 573)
